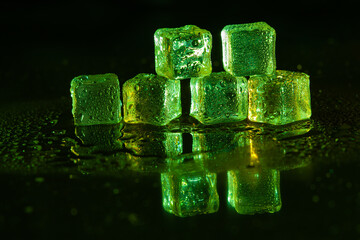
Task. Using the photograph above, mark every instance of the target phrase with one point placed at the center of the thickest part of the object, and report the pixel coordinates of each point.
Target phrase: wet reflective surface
(139, 176)
(184, 180)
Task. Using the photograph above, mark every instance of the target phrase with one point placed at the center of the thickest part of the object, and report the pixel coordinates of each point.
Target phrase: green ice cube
(249, 49)
(103, 137)
(183, 52)
(149, 143)
(219, 98)
(280, 99)
(189, 193)
(96, 99)
(220, 149)
(253, 190)
(151, 99)
(221, 140)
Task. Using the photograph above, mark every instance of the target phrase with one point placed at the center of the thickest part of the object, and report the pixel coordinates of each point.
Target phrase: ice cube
(249, 49)
(96, 99)
(254, 190)
(183, 52)
(279, 99)
(151, 99)
(219, 98)
(189, 193)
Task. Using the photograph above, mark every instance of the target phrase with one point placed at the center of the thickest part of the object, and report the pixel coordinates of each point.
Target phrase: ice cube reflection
(249, 158)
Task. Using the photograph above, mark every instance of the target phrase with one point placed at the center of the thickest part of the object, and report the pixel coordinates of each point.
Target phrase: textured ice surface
(96, 99)
(151, 99)
(102, 138)
(254, 190)
(219, 98)
(149, 143)
(249, 49)
(281, 99)
(183, 52)
(189, 193)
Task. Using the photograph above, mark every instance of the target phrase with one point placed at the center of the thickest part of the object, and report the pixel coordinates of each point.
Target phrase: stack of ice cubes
(275, 96)
(250, 87)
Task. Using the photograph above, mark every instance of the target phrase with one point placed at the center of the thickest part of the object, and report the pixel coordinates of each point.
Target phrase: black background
(45, 44)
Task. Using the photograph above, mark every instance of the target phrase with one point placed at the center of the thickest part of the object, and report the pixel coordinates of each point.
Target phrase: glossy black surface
(54, 186)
